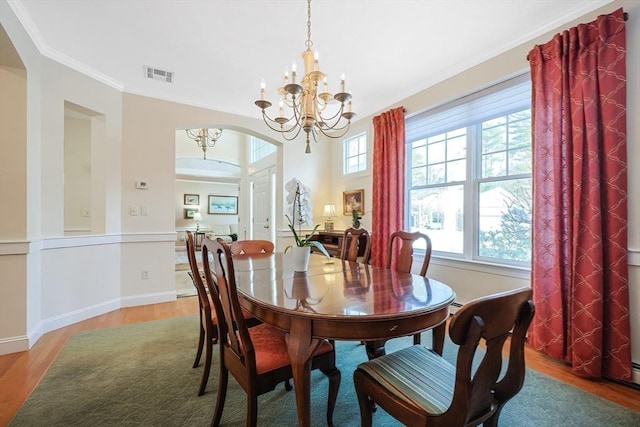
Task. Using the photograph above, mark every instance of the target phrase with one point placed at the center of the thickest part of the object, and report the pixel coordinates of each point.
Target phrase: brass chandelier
(309, 110)
(205, 138)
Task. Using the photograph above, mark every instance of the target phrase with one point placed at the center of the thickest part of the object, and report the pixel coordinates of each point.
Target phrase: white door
(261, 204)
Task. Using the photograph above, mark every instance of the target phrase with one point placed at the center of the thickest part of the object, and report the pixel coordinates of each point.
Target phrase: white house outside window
(355, 154)
(469, 175)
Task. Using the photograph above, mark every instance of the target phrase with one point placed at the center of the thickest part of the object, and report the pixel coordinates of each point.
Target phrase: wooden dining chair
(355, 241)
(257, 357)
(252, 247)
(208, 328)
(208, 334)
(400, 258)
(401, 243)
(418, 387)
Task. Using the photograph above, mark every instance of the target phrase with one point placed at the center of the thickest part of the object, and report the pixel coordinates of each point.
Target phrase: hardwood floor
(20, 372)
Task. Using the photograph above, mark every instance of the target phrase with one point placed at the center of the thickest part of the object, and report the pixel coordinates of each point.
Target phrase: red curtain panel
(580, 271)
(388, 181)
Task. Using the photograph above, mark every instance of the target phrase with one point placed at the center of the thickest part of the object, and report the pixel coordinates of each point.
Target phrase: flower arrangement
(298, 207)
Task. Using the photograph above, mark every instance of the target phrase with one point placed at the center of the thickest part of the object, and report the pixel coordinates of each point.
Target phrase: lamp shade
(197, 216)
(329, 211)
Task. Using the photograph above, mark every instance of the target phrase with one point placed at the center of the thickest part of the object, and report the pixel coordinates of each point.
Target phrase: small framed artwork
(353, 199)
(189, 213)
(223, 205)
(191, 199)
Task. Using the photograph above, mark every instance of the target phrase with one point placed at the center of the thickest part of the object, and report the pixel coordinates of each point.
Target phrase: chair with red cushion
(418, 387)
(257, 357)
(251, 247)
(208, 323)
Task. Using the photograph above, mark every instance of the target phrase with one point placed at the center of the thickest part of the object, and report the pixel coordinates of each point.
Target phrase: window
(469, 174)
(355, 154)
(260, 149)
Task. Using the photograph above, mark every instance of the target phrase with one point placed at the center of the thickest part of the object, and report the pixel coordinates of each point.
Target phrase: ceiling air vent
(157, 74)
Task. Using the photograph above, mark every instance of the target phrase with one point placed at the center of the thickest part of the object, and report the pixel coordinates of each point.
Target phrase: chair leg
(416, 339)
(375, 348)
(366, 404)
(200, 343)
(252, 410)
(334, 376)
(287, 385)
(493, 421)
(207, 366)
(222, 395)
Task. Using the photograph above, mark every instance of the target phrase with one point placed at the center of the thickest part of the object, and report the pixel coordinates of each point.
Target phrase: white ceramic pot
(300, 256)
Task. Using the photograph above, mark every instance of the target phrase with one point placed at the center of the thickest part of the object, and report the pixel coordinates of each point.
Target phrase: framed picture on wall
(223, 205)
(353, 199)
(191, 199)
(189, 213)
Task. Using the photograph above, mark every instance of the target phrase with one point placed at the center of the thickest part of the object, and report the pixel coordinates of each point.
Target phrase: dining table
(337, 300)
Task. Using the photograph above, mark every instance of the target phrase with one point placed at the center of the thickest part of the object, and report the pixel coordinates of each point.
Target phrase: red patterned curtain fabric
(388, 181)
(579, 271)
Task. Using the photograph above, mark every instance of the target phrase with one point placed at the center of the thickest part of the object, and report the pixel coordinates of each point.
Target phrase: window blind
(498, 100)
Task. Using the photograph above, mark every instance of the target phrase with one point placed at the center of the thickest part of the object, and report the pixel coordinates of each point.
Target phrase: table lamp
(197, 217)
(329, 213)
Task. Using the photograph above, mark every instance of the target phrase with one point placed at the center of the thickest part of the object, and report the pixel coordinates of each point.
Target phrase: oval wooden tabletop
(345, 300)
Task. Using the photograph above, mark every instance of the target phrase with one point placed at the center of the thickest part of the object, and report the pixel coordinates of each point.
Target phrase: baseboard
(149, 299)
(76, 316)
(14, 344)
(25, 342)
(635, 373)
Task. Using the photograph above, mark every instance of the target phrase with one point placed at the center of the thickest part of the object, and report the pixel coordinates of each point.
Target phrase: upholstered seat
(418, 387)
(417, 375)
(251, 247)
(271, 351)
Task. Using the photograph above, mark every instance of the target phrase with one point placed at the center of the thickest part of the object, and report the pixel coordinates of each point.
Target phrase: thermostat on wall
(142, 185)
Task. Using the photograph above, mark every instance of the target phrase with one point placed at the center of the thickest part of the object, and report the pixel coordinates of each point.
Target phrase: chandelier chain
(309, 43)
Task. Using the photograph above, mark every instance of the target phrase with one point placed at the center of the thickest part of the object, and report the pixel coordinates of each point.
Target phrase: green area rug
(141, 375)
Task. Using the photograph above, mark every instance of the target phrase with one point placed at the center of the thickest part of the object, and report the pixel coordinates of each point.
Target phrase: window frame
(346, 156)
(254, 149)
(474, 179)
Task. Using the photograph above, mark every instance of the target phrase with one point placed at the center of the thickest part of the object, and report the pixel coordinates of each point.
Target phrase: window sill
(482, 267)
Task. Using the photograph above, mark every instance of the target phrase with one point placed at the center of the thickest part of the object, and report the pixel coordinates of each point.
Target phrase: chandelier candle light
(205, 138)
(309, 108)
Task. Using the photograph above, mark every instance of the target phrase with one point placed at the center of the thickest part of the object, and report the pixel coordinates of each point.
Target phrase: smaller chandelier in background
(308, 101)
(205, 138)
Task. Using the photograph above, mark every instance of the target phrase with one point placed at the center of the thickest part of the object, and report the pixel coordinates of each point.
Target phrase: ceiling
(219, 50)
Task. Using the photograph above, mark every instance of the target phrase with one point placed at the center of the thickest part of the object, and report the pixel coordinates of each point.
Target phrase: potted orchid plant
(305, 241)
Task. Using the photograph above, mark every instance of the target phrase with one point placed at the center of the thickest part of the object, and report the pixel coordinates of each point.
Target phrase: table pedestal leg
(301, 349)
